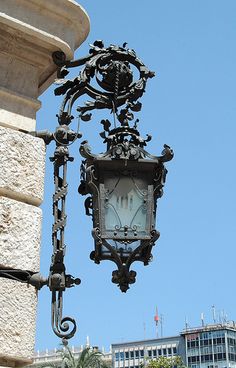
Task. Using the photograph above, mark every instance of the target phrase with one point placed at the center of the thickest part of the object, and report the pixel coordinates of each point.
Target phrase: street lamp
(123, 183)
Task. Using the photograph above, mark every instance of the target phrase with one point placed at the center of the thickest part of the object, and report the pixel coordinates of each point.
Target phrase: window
(131, 354)
(154, 353)
(117, 356)
(164, 351)
(126, 355)
(174, 350)
(219, 349)
(207, 357)
(121, 355)
(142, 353)
(136, 354)
(193, 344)
(159, 351)
(193, 359)
(169, 351)
(231, 341)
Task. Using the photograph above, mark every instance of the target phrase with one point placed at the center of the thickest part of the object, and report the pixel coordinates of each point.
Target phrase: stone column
(30, 30)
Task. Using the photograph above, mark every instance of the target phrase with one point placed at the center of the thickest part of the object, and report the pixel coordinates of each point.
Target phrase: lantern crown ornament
(122, 184)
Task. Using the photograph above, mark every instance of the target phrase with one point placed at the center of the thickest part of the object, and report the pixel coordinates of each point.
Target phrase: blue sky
(189, 105)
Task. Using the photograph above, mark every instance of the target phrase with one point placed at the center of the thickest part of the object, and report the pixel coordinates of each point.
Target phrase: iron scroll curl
(111, 68)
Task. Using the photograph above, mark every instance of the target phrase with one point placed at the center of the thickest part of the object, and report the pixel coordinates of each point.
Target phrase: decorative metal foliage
(111, 68)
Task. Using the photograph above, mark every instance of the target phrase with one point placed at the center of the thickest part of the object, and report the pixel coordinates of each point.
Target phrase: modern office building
(209, 346)
(136, 353)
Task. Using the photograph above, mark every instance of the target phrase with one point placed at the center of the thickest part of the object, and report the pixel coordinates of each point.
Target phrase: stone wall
(30, 30)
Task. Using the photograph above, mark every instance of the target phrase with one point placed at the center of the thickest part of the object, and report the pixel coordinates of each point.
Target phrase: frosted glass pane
(125, 248)
(125, 204)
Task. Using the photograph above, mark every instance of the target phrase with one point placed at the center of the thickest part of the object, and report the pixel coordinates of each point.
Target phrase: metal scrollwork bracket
(58, 280)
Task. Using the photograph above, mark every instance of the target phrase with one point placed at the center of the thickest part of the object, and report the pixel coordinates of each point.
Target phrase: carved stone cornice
(43, 26)
(30, 31)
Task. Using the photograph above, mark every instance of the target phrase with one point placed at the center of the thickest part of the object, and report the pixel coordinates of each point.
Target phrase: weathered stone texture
(17, 322)
(29, 32)
(20, 235)
(17, 111)
(22, 166)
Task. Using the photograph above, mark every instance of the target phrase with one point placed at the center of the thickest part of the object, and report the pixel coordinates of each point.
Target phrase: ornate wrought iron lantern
(124, 183)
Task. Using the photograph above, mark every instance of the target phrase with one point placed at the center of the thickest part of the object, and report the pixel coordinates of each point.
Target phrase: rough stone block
(20, 235)
(22, 166)
(17, 323)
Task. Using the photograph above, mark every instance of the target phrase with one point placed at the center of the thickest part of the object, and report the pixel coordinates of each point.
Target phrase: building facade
(210, 346)
(134, 354)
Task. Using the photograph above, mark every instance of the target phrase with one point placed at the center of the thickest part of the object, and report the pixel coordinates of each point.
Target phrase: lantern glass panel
(125, 204)
(125, 248)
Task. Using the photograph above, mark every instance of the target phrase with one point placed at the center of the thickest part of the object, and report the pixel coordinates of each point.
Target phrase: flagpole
(156, 320)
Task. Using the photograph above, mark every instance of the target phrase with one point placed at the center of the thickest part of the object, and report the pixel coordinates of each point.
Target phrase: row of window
(209, 350)
(207, 358)
(208, 366)
(218, 341)
(212, 334)
(223, 365)
(196, 343)
(136, 354)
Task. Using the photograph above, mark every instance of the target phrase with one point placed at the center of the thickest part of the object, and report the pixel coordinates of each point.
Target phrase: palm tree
(87, 359)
